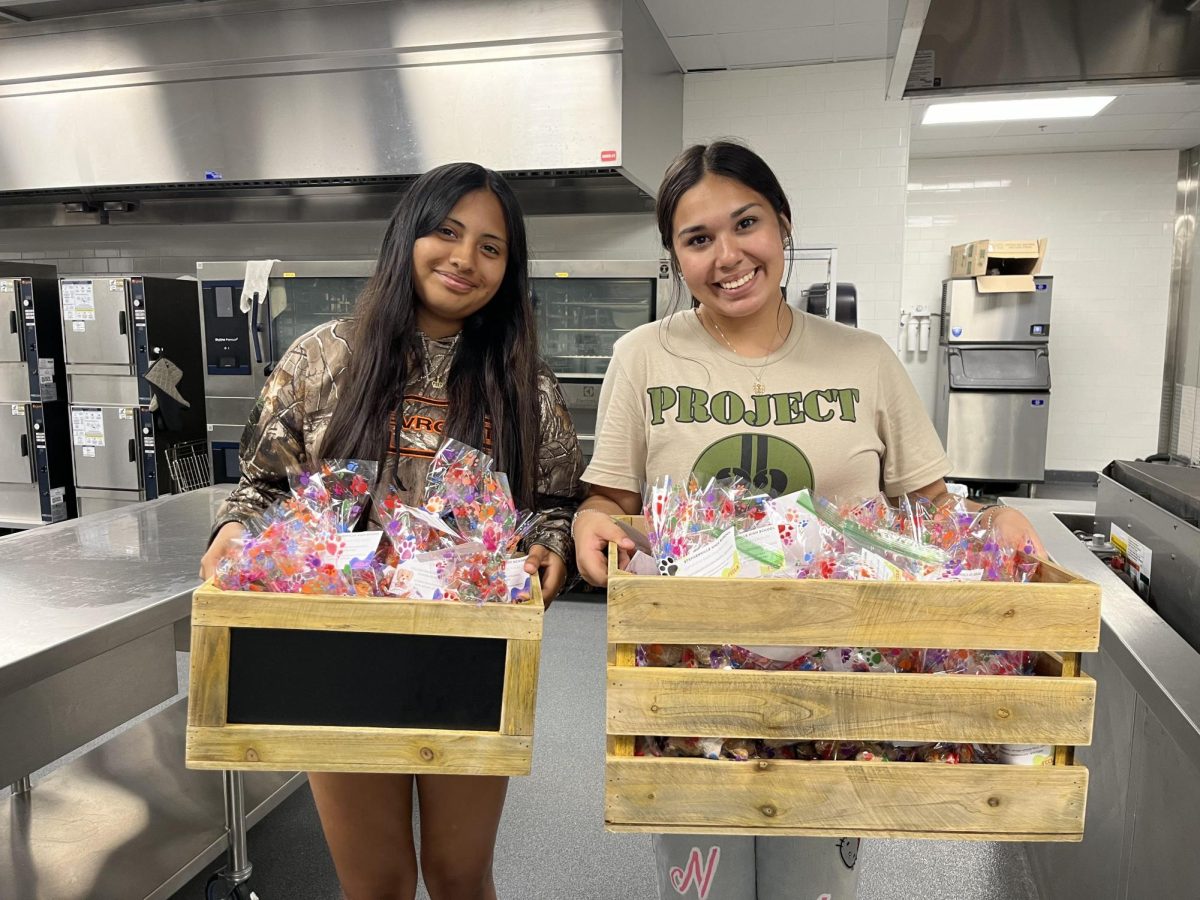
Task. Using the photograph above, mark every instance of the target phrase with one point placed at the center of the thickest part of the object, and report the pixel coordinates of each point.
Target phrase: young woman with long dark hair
(442, 344)
(738, 383)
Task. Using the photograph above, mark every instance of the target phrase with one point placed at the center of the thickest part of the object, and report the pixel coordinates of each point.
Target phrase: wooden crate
(245, 712)
(1058, 614)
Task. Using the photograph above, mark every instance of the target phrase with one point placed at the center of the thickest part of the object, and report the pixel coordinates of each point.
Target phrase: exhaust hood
(970, 46)
(579, 103)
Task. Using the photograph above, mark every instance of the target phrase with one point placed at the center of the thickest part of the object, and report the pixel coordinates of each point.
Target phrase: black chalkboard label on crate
(366, 679)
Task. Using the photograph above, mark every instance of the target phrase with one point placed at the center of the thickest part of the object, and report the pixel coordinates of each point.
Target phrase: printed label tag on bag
(516, 578)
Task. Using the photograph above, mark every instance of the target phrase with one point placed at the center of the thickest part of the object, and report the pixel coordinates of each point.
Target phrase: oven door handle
(255, 328)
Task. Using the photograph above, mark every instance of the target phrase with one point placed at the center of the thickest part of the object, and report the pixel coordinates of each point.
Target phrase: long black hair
(494, 371)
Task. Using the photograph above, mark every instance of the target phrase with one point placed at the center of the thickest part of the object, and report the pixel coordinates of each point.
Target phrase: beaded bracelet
(581, 511)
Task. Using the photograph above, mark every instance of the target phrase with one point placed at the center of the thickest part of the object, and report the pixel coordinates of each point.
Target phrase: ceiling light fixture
(1015, 110)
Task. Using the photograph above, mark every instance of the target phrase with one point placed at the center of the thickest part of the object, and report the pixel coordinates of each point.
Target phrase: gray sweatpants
(719, 867)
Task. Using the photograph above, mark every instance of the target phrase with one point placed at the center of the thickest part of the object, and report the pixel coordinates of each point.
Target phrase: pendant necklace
(436, 375)
(759, 388)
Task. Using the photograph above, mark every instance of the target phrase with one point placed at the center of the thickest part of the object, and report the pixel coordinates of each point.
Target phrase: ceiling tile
(1190, 121)
(769, 15)
(863, 40)
(793, 45)
(861, 11)
(949, 131)
(683, 17)
(1054, 126)
(697, 52)
(1168, 140)
(1128, 124)
(1168, 101)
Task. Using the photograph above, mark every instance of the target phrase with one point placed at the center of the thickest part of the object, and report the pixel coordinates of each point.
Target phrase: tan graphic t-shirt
(839, 414)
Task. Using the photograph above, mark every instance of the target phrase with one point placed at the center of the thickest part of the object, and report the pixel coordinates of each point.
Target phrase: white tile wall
(841, 153)
(1109, 220)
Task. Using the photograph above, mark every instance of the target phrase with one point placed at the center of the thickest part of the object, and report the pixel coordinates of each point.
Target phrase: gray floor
(552, 844)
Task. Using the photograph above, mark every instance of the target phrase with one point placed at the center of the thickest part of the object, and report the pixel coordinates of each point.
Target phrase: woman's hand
(551, 570)
(1012, 529)
(594, 529)
(230, 532)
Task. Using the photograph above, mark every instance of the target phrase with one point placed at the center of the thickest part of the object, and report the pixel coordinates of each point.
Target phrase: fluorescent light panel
(1015, 110)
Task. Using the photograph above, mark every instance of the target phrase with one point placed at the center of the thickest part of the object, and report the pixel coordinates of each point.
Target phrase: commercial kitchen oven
(242, 348)
(583, 307)
(36, 485)
(132, 351)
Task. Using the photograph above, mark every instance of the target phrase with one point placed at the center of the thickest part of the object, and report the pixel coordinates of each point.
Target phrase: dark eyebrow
(462, 227)
(733, 215)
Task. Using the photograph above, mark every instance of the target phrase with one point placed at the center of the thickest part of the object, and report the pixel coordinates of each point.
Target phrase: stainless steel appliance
(1157, 507)
(583, 306)
(591, 113)
(993, 401)
(132, 350)
(242, 348)
(35, 440)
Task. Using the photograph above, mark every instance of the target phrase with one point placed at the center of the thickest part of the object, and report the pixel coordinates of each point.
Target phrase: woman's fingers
(593, 534)
(553, 577)
(536, 558)
(230, 532)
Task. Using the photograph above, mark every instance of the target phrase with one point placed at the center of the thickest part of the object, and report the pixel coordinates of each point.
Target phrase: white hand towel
(258, 273)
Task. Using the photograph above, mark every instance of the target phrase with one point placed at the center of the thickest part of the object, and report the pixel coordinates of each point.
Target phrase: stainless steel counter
(1144, 760)
(96, 604)
(1160, 664)
(69, 592)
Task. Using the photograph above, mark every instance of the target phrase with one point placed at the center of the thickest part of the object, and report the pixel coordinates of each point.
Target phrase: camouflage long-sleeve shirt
(289, 421)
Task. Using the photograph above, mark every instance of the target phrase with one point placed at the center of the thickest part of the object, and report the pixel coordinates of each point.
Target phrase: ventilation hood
(578, 102)
(970, 46)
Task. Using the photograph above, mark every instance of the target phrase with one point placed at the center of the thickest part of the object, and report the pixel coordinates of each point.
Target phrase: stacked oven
(132, 350)
(35, 441)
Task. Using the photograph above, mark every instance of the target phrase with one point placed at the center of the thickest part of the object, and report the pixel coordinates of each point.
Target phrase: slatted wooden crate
(1058, 614)
(290, 682)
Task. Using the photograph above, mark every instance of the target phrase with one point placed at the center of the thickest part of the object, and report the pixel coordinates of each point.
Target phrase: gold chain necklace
(758, 376)
(437, 377)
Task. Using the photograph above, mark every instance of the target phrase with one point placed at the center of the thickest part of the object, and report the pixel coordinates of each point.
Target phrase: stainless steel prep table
(92, 607)
(1144, 761)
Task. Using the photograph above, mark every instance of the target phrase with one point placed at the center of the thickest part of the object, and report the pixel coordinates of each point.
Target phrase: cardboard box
(1015, 262)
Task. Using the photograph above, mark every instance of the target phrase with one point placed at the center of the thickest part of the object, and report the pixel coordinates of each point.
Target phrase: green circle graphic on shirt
(769, 463)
